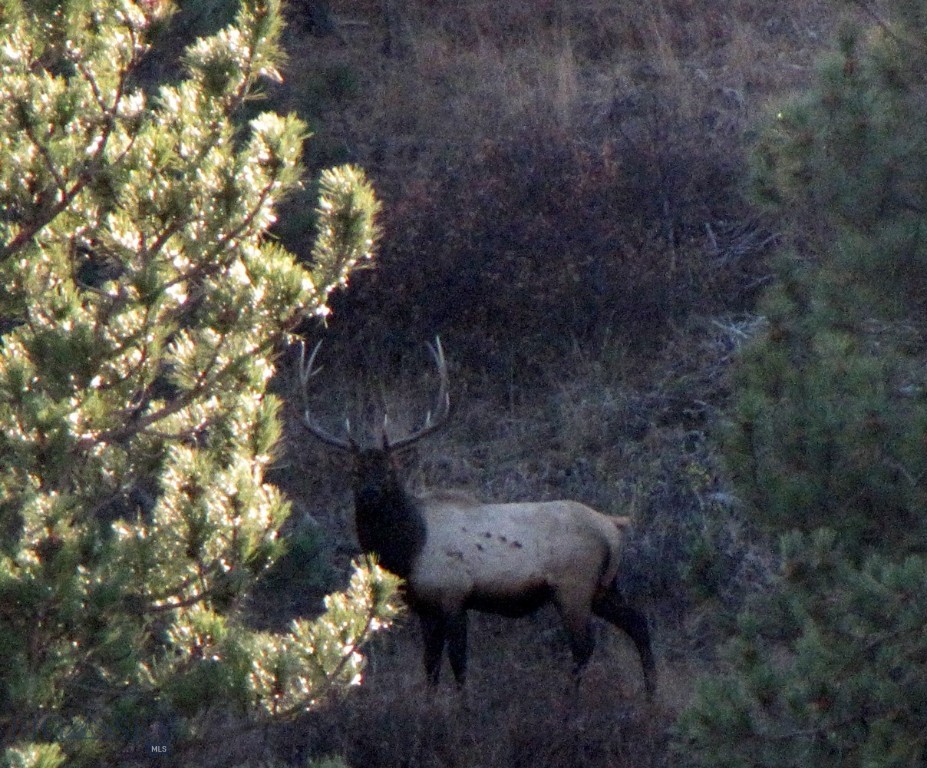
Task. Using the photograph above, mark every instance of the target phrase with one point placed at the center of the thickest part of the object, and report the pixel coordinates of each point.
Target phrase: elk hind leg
(611, 606)
(582, 641)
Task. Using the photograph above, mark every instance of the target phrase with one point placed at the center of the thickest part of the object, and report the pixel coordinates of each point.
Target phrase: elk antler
(306, 372)
(434, 420)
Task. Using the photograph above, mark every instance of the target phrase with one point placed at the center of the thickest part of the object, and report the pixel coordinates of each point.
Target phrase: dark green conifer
(829, 424)
(828, 433)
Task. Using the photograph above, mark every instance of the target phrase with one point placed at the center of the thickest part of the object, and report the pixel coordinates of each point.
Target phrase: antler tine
(434, 420)
(306, 372)
(444, 393)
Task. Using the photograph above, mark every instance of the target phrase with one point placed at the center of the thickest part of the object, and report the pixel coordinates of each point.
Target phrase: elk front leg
(434, 633)
(457, 646)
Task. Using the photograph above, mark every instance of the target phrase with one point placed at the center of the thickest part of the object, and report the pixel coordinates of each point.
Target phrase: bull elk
(456, 554)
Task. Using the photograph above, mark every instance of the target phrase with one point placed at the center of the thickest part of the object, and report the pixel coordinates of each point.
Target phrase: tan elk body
(508, 552)
(457, 554)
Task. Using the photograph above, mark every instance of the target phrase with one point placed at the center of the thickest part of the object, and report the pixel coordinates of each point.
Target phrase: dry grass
(626, 434)
(571, 170)
(519, 709)
(462, 137)
(478, 70)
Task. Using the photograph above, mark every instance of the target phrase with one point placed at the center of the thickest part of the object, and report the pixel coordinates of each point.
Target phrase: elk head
(388, 520)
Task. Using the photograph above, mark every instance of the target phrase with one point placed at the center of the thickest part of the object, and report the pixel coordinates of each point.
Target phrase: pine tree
(142, 305)
(827, 435)
(828, 671)
(829, 424)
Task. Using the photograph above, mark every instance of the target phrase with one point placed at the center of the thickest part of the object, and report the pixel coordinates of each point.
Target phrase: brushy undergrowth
(551, 174)
(512, 715)
(562, 188)
(609, 436)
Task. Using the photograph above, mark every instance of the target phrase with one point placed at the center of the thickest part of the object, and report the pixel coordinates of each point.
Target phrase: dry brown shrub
(552, 172)
(543, 241)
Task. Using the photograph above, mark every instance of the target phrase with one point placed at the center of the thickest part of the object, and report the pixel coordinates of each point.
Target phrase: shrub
(549, 241)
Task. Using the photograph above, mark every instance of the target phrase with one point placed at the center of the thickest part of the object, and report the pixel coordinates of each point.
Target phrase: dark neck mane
(391, 526)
